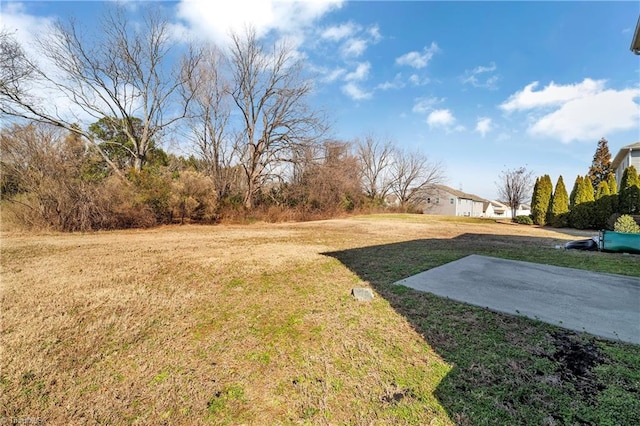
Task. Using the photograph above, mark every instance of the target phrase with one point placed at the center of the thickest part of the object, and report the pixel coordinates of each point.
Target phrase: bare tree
(119, 76)
(514, 187)
(413, 177)
(375, 157)
(333, 181)
(15, 69)
(42, 174)
(208, 117)
(270, 93)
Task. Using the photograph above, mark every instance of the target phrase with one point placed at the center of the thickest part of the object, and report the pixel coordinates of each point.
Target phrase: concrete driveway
(606, 305)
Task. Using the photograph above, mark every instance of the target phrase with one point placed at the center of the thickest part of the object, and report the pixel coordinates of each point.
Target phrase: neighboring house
(496, 209)
(627, 156)
(523, 210)
(447, 201)
(493, 208)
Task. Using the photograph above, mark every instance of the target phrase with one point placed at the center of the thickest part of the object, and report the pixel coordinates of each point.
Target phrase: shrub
(611, 221)
(193, 197)
(560, 220)
(523, 220)
(152, 187)
(604, 207)
(582, 216)
(626, 223)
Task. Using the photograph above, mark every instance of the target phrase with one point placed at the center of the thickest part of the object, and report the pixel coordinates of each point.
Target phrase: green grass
(255, 325)
(508, 370)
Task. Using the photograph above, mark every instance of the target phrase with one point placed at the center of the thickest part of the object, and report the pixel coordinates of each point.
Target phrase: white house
(627, 156)
(493, 208)
(447, 201)
(497, 209)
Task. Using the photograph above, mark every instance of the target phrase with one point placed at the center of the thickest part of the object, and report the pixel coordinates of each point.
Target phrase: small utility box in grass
(362, 294)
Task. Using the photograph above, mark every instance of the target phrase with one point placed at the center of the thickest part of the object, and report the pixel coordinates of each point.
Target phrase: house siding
(441, 204)
(627, 156)
(631, 159)
(450, 203)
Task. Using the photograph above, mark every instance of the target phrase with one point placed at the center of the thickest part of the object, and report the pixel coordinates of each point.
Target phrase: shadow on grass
(508, 369)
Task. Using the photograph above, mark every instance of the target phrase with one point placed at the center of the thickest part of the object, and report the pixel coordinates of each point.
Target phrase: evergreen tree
(629, 178)
(613, 185)
(588, 190)
(602, 190)
(534, 194)
(560, 205)
(601, 164)
(582, 191)
(542, 200)
(582, 214)
(629, 193)
(574, 192)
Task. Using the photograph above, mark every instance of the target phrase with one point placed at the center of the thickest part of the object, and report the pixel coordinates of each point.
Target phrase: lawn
(255, 324)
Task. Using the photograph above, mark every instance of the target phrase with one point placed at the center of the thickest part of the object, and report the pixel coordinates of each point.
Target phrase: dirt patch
(576, 359)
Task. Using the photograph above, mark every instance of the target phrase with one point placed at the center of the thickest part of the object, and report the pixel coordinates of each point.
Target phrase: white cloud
(551, 95)
(360, 73)
(214, 20)
(26, 28)
(484, 126)
(396, 83)
(482, 76)
(356, 39)
(334, 75)
(353, 47)
(23, 26)
(354, 91)
(441, 118)
(589, 118)
(424, 105)
(338, 32)
(576, 112)
(416, 80)
(374, 32)
(417, 59)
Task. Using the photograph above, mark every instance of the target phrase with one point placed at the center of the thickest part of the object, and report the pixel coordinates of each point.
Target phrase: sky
(481, 87)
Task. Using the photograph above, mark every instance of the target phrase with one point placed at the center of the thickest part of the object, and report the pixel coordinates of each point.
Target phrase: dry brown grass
(214, 325)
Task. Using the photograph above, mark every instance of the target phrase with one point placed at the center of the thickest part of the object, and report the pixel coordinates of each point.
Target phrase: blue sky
(479, 86)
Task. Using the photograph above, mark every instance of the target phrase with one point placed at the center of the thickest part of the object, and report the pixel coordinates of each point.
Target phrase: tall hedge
(542, 200)
(613, 185)
(602, 190)
(582, 214)
(588, 192)
(560, 205)
(629, 192)
(574, 192)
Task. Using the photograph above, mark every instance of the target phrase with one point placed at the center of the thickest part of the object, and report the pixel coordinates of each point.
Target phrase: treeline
(52, 179)
(93, 159)
(595, 201)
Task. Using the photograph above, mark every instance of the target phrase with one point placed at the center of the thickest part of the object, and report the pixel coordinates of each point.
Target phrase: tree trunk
(137, 163)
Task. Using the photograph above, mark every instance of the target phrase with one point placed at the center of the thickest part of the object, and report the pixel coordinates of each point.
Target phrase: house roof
(635, 41)
(459, 194)
(623, 153)
(497, 206)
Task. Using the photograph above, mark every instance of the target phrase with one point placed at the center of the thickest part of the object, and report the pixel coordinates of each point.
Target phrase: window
(451, 201)
(428, 200)
(437, 200)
